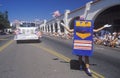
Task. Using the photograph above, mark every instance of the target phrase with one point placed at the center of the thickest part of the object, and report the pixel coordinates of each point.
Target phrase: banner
(83, 38)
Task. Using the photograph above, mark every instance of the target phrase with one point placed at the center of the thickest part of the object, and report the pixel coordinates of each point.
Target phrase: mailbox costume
(83, 42)
(83, 38)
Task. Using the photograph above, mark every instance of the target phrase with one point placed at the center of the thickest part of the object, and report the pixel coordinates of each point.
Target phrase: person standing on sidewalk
(80, 57)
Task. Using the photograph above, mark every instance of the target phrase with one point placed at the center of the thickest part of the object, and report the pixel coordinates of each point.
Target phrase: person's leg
(80, 62)
(80, 59)
(87, 70)
(87, 61)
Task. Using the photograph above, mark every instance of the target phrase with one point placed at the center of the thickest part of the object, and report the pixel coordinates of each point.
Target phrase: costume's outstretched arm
(96, 30)
(66, 27)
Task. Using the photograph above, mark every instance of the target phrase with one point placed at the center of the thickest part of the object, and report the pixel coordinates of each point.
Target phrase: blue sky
(29, 10)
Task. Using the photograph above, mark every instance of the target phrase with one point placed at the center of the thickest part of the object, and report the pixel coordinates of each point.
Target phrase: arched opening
(109, 16)
(52, 28)
(61, 27)
(56, 28)
(48, 28)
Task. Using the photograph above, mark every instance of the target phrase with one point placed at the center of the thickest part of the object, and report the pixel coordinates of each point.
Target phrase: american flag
(83, 44)
(17, 31)
(56, 13)
(39, 34)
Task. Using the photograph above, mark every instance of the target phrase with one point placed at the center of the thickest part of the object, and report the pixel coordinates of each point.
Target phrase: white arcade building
(101, 12)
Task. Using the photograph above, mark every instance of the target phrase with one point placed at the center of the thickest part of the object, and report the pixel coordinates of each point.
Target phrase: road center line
(54, 53)
(95, 75)
(6, 45)
(3, 39)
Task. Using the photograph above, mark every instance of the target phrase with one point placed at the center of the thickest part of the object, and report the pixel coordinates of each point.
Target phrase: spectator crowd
(99, 38)
(107, 39)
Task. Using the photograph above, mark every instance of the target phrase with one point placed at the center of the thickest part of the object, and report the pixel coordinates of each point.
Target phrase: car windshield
(27, 25)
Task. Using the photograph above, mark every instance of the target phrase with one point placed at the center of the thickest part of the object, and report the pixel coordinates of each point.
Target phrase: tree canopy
(4, 22)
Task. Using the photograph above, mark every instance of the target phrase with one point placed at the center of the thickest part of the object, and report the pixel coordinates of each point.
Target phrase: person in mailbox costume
(83, 41)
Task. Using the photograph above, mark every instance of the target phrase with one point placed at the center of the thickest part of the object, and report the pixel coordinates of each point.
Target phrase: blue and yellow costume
(83, 38)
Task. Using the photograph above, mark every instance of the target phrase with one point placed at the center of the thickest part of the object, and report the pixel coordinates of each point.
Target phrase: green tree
(4, 22)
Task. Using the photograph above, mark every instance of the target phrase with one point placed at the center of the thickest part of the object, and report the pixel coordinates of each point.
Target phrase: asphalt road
(104, 61)
(5, 38)
(43, 60)
(33, 60)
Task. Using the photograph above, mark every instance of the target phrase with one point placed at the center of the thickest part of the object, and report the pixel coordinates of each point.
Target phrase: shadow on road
(74, 65)
(27, 41)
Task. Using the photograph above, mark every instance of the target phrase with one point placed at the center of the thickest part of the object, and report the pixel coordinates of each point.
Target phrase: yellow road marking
(4, 46)
(95, 74)
(54, 53)
(3, 39)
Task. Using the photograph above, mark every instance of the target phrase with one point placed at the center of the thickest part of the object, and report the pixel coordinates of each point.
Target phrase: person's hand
(62, 24)
(106, 25)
